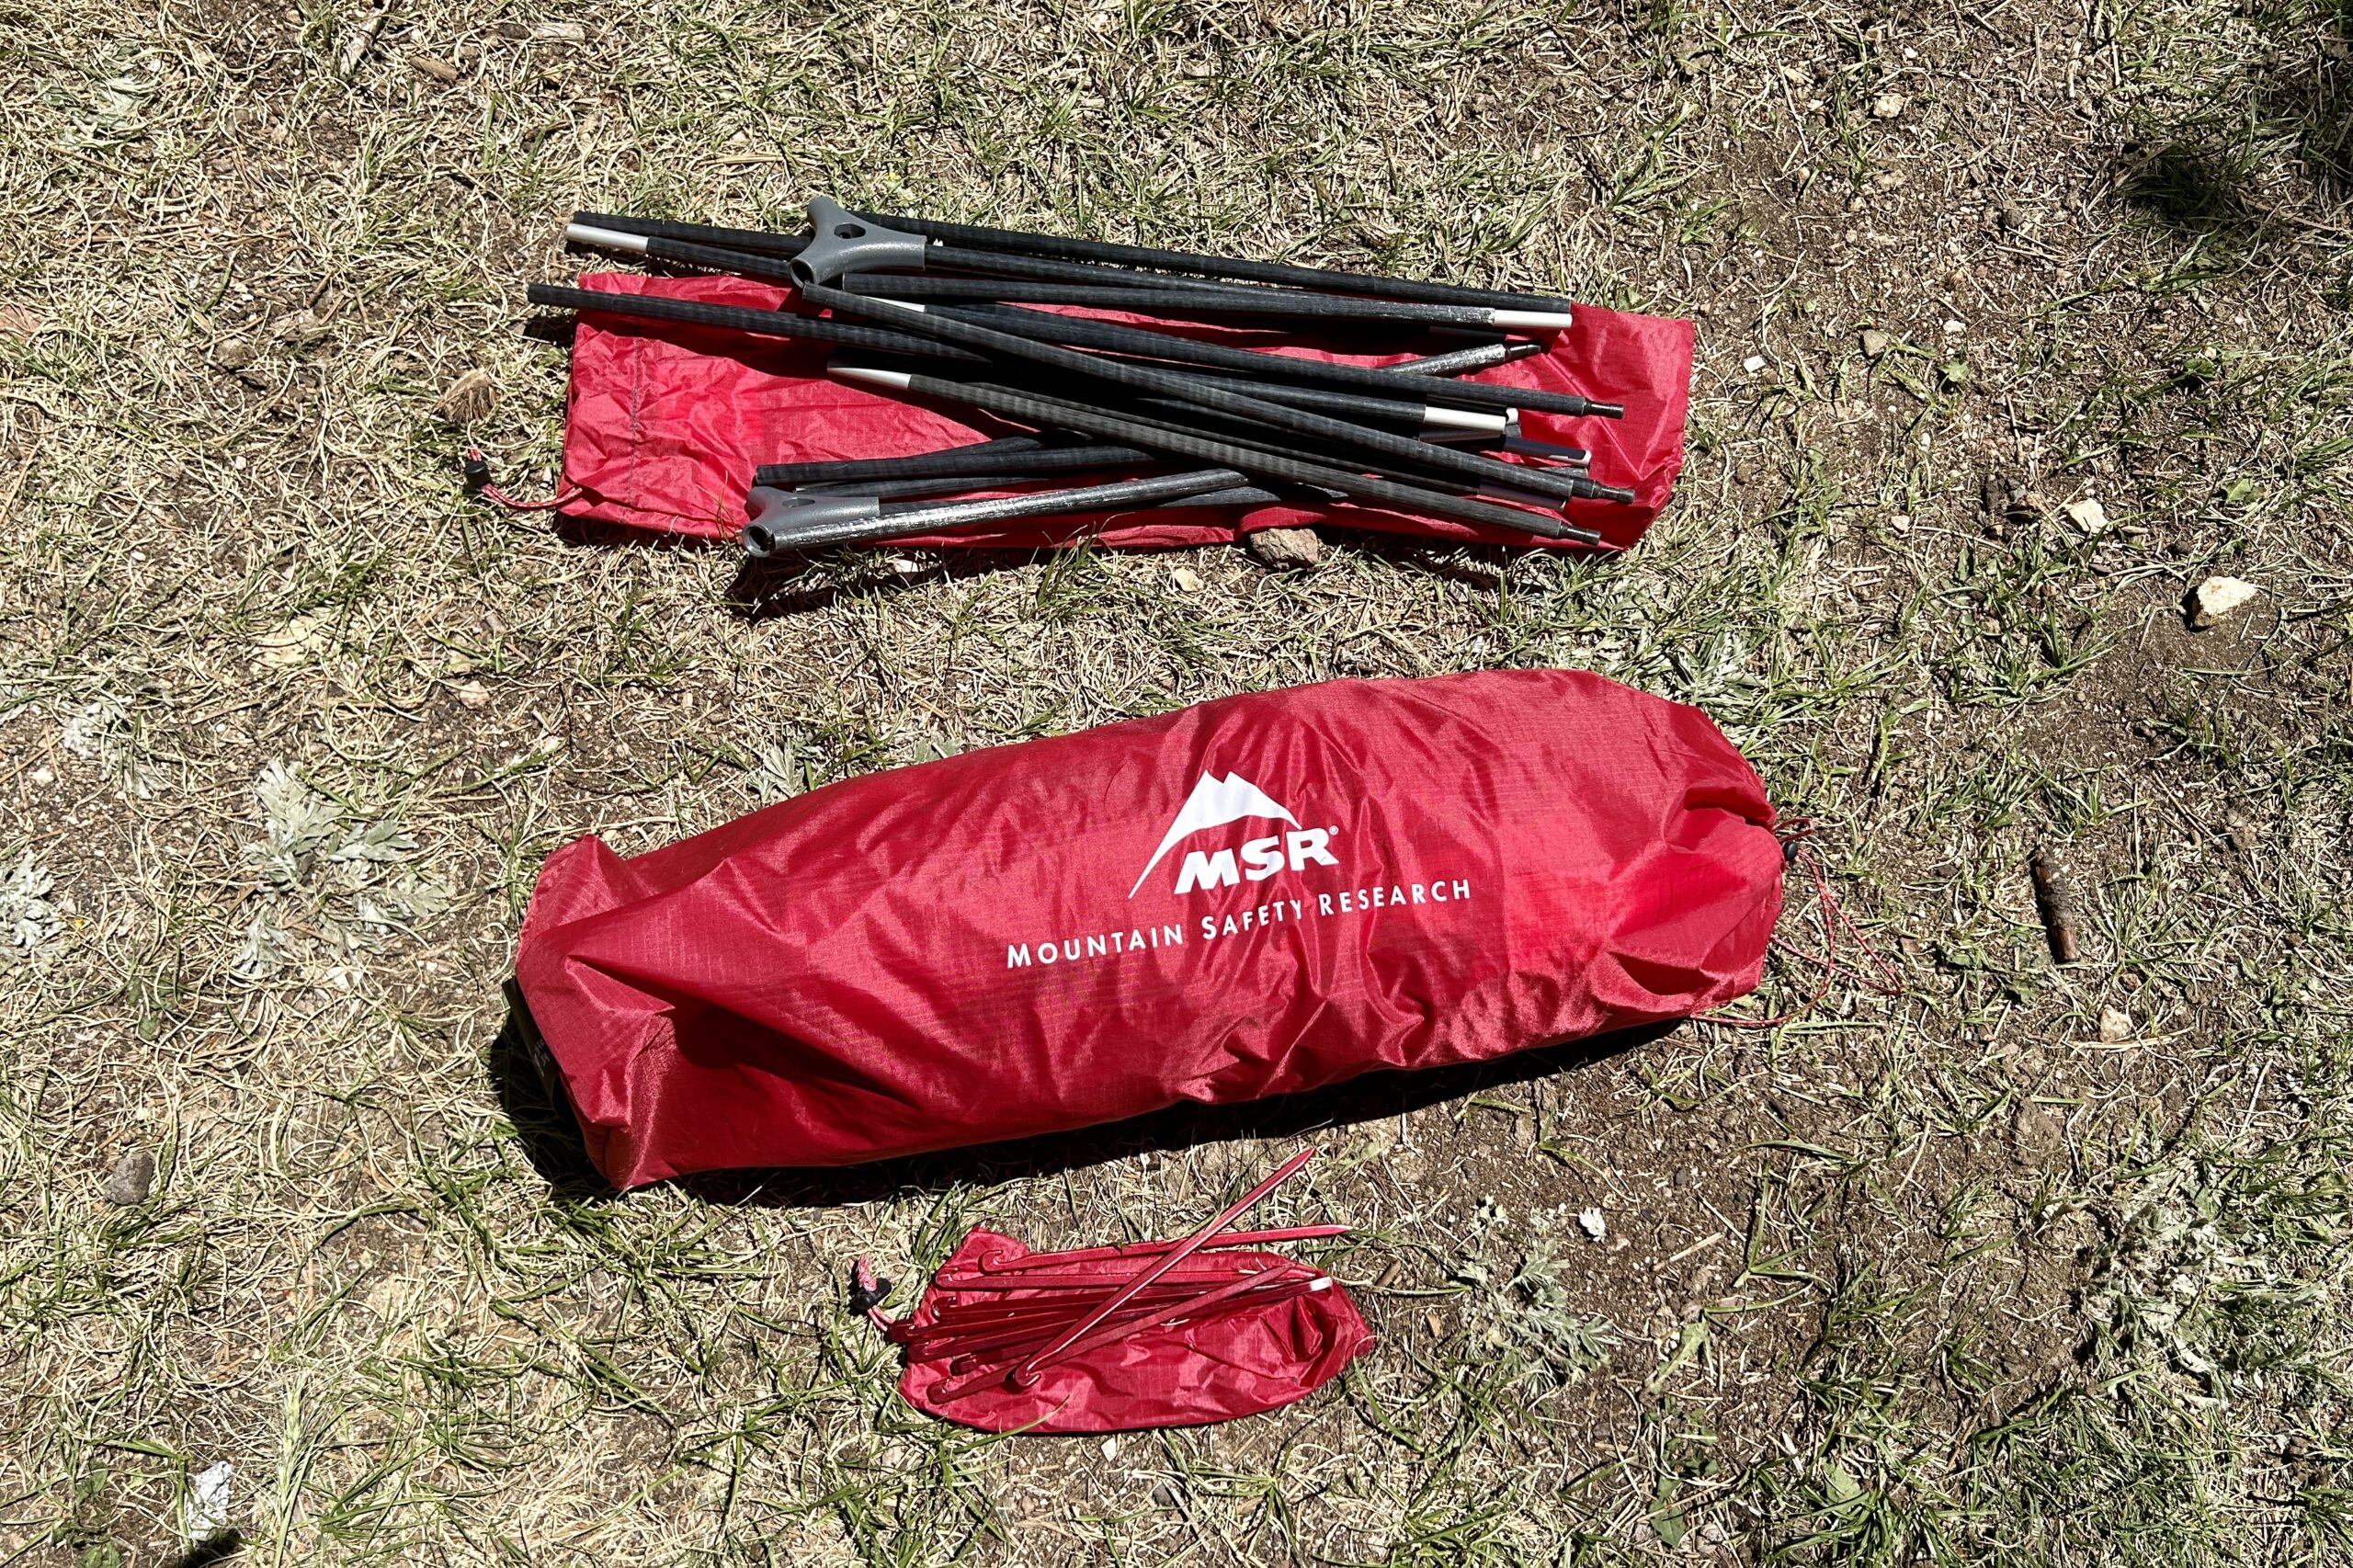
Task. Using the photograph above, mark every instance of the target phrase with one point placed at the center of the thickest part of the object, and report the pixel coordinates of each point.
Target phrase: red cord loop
(478, 479)
(1797, 850)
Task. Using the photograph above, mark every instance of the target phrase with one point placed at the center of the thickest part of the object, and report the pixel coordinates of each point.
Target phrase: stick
(2054, 902)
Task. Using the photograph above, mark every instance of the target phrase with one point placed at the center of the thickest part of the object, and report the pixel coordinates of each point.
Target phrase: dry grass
(2037, 1264)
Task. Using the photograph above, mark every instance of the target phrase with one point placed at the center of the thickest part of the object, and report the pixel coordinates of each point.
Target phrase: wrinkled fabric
(1253, 896)
(667, 421)
(1234, 1364)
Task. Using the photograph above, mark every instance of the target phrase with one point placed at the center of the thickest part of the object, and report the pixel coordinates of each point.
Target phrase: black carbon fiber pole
(1400, 407)
(598, 229)
(784, 324)
(895, 372)
(1173, 300)
(784, 529)
(1170, 296)
(952, 485)
(1483, 357)
(1169, 414)
(735, 318)
(1042, 459)
(1046, 327)
(1023, 243)
(1156, 382)
(1007, 402)
(1001, 262)
(761, 240)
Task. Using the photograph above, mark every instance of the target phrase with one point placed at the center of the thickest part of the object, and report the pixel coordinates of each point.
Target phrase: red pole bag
(1249, 897)
(665, 424)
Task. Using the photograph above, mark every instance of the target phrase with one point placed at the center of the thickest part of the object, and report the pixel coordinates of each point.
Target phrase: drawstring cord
(478, 483)
(1798, 851)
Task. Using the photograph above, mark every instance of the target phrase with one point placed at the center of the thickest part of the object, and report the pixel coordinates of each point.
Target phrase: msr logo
(1216, 801)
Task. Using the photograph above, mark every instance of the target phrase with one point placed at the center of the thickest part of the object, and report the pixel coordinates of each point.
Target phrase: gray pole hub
(840, 241)
(777, 515)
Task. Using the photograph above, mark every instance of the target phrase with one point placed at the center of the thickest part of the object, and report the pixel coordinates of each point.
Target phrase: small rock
(2217, 597)
(132, 1178)
(2089, 515)
(468, 398)
(433, 65)
(1592, 1224)
(1888, 106)
(474, 695)
(293, 643)
(2013, 219)
(1188, 581)
(1752, 364)
(2038, 1135)
(1284, 548)
(560, 32)
(233, 355)
(300, 328)
(205, 1515)
(1436, 1323)
(1167, 1496)
(1875, 343)
(2115, 1025)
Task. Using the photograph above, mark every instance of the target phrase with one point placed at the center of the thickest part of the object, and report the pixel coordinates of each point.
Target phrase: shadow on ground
(531, 1091)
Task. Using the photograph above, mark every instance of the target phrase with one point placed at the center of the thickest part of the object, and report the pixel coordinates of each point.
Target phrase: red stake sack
(1253, 896)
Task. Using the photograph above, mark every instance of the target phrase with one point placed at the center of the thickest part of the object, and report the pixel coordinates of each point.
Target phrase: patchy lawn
(2030, 1262)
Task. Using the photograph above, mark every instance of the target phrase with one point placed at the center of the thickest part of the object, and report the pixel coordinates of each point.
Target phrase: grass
(2030, 1264)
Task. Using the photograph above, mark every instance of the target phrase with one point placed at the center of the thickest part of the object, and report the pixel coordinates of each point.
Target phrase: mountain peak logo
(1215, 802)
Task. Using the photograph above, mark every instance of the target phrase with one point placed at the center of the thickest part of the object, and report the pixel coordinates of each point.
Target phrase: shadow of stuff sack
(1254, 896)
(665, 422)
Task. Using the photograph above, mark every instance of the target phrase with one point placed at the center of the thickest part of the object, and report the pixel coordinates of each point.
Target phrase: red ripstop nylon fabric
(667, 421)
(1183, 1375)
(1254, 896)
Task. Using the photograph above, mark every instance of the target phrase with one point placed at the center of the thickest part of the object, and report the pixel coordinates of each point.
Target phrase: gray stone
(1287, 548)
(2218, 598)
(132, 1178)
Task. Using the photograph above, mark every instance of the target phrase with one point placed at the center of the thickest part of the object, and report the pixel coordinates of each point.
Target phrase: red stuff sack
(1249, 897)
(1185, 1374)
(666, 423)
